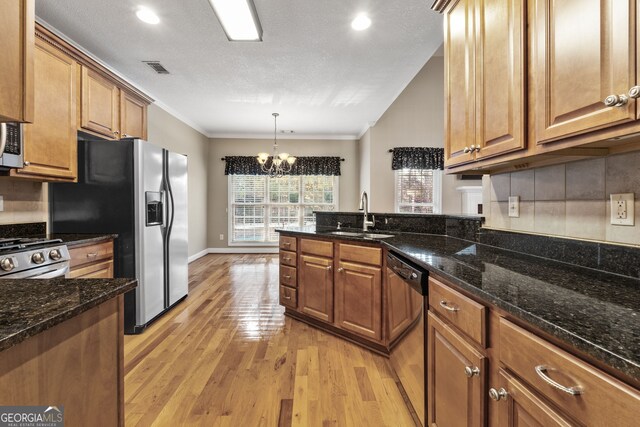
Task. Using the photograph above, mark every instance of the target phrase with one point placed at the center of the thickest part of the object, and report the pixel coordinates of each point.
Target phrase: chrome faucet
(364, 206)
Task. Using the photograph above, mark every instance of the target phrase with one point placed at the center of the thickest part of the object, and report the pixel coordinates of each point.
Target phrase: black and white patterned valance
(310, 165)
(417, 158)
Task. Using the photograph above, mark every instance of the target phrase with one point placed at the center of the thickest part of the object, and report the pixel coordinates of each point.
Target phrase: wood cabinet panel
(360, 254)
(133, 116)
(316, 287)
(50, 143)
(500, 84)
(288, 258)
(464, 313)
(459, 70)
(16, 68)
(316, 247)
(288, 243)
(454, 399)
(358, 299)
(604, 401)
(581, 52)
(100, 106)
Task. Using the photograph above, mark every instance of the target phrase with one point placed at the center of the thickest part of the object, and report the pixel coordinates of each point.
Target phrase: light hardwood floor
(228, 356)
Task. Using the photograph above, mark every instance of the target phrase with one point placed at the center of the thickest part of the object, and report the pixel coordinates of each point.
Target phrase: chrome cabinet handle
(447, 307)
(466, 150)
(287, 276)
(616, 100)
(541, 371)
(26, 163)
(3, 137)
(92, 255)
(286, 258)
(329, 267)
(286, 297)
(499, 394)
(634, 92)
(115, 132)
(340, 270)
(287, 243)
(477, 148)
(471, 371)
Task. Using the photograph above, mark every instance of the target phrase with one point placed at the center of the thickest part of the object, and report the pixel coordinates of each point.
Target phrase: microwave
(11, 146)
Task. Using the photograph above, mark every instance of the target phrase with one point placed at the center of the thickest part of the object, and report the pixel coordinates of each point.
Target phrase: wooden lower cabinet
(92, 261)
(456, 374)
(316, 287)
(520, 407)
(358, 299)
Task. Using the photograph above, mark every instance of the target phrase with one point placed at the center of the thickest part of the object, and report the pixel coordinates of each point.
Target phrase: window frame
(231, 211)
(437, 192)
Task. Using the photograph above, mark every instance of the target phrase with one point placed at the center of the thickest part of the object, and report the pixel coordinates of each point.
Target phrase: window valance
(417, 158)
(306, 165)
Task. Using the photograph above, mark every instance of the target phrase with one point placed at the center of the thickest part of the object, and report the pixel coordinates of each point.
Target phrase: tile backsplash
(24, 201)
(569, 200)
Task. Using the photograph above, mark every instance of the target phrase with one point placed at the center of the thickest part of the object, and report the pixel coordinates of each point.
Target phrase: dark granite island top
(596, 312)
(28, 307)
(81, 239)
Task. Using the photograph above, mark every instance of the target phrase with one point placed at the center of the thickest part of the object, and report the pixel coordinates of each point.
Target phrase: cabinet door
(100, 107)
(133, 116)
(16, 67)
(359, 299)
(459, 82)
(403, 305)
(522, 408)
(316, 287)
(581, 52)
(500, 76)
(454, 399)
(50, 143)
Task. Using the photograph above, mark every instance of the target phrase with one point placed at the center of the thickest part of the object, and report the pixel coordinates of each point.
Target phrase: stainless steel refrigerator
(139, 191)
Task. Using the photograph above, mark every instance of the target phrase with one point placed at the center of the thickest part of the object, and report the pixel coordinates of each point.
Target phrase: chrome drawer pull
(541, 371)
(92, 255)
(471, 371)
(287, 243)
(286, 297)
(447, 307)
(287, 258)
(499, 394)
(287, 276)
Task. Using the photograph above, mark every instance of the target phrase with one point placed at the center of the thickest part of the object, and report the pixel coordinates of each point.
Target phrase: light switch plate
(1, 203)
(622, 209)
(514, 206)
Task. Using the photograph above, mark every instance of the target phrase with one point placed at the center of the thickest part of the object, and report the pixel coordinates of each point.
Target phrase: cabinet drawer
(288, 243)
(98, 270)
(288, 258)
(361, 254)
(464, 313)
(288, 296)
(288, 276)
(90, 253)
(602, 400)
(317, 247)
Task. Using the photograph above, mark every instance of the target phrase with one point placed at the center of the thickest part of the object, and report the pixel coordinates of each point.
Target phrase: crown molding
(216, 135)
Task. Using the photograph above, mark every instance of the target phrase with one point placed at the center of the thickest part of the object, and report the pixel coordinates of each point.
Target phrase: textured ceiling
(324, 79)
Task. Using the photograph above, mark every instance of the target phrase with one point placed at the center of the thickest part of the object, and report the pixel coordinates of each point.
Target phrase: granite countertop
(596, 312)
(79, 239)
(28, 307)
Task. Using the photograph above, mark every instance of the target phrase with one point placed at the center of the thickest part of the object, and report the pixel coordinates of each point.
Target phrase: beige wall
(570, 200)
(24, 201)
(218, 183)
(415, 119)
(173, 134)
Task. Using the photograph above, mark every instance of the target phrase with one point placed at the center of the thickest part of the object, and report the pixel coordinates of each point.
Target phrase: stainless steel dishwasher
(407, 302)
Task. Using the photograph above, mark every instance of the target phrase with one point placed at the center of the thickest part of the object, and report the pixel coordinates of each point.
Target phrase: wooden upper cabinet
(16, 67)
(581, 52)
(50, 143)
(133, 116)
(459, 82)
(316, 287)
(500, 35)
(358, 299)
(100, 104)
(455, 378)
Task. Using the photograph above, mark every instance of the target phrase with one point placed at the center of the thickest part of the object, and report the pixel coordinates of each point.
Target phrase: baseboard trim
(198, 255)
(245, 250)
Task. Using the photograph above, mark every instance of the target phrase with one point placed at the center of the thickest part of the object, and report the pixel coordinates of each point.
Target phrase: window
(418, 190)
(258, 205)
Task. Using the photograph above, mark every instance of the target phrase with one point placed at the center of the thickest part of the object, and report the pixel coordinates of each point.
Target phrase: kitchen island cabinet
(62, 344)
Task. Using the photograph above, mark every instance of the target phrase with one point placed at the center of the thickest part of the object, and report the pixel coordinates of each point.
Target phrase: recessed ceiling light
(361, 22)
(239, 19)
(147, 15)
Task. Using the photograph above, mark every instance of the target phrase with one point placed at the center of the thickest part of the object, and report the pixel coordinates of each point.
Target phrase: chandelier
(277, 164)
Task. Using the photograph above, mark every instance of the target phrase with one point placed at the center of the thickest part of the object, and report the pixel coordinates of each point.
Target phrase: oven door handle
(3, 137)
(41, 273)
(59, 272)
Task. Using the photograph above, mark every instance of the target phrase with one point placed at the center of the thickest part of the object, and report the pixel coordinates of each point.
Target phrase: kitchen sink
(363, 235)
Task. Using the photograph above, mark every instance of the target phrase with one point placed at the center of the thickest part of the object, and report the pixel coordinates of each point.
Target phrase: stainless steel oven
(407, 290)
(33, 258)
(11, 146)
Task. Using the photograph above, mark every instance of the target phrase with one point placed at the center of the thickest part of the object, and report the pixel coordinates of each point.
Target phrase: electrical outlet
(514, 206)
(222, 237)
(622, 209)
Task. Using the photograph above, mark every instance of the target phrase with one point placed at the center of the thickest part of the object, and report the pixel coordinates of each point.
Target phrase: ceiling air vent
(157, 67)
